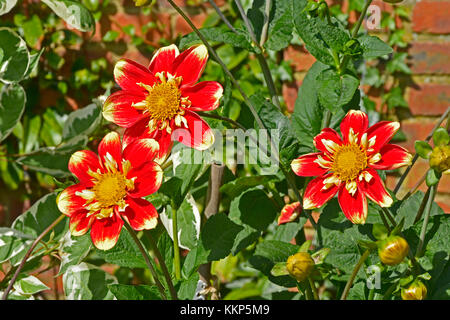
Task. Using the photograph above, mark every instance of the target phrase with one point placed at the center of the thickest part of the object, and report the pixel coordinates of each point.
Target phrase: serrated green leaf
(373, 46)
(12, 106)
(441, 137)
(138, 292)
(73, 250)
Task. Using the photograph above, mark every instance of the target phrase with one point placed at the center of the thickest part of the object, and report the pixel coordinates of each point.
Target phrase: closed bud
(393, 250)
(440, 159)
(300, 265)
(416, 291)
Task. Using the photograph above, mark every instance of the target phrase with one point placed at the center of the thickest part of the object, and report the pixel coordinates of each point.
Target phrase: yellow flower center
(163, 101)
(348, 161)
(110, 189)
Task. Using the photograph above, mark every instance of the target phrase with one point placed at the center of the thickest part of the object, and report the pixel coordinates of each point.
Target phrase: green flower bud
(440, 159)
(416, 291)
(393, 250)
(300, 265)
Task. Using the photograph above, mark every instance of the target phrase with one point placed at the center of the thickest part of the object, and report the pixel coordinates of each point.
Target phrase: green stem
(354, 273)
(389, 216)
(386, 224)
(326, 119)
(147, 260)
(218, 117)
(222, 16)
(176, 247)
(371, 294)
(425, 220)
(389, 291)
(28, 254)
(163, 265)
(314, 289)
(422, 206)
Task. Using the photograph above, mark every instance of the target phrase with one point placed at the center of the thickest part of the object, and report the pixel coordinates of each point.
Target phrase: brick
(416, 129)
(443, 201)
(290, 92)
(182, 27)
(431, 17)
(430, 58)
(429, 99)
(300, 58)
(417, 172)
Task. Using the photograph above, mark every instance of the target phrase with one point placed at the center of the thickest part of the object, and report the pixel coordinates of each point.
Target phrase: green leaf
(423, 149)
(432, 177)
(15, 56)
(254, 209)
(125, 253)
(279, 269)
(280, 26)
(409, 208)
(357, 291)
(236, 187)
(73, 250)
(82, 121)
(216, 241)
(270, 252)
(394, 98)
(336, 90)
(188, 287)
(138, 292)
(87, 282)
(6, 6)
(219, 35)
(29, 285)
(48, 160)
(73, 12)
(12, 105)
(441, 137)
(373, 46)
(379, 231)
(110, 36)
(320, 37)
(13, 243)
(32, 30)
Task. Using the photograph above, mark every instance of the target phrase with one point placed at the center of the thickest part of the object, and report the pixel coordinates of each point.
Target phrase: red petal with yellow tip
(81, 162)
(375, 189)
(105, 232)
(197, 135)
(355, 120)
(140, 151)
(327, 136)
(80, 222)
(307, 166)
(163, 59)
(140, 214)
(392, 157)
(382, 132)
(354, 206)
(148, 179)
(128, 74)
(110, 148)
(190, 64)
(289, 213)
(316, 195)
(204, 96)
(118, 108)
(68, 202)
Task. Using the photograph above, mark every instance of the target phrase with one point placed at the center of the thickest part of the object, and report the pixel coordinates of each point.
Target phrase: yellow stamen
(348, 161)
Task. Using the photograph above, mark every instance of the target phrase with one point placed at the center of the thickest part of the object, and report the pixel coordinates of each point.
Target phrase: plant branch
(176, 246)
(416, 156)
(218, 117)
(163, 265)
(28, 254)
(147, 260)
(222, 16)
(425, 220)
(353, 275)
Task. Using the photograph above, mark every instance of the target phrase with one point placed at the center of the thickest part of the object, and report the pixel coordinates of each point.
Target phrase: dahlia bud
(416, 291)
(393, 250)
(300, 265)
(440, 159)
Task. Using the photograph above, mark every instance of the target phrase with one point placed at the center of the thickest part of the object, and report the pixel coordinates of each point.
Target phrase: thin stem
(28, 254)
(163, 265)
(416, 156)
(222, 16)
(389, 291)
(176, 247)
(314, 289)
(422, 206)
(218, 117)
(425, 220)
(247, 22)
(389, 216)
(326, 119)
(386, 224)
(416, 186)
(354, 273)
(147, 260)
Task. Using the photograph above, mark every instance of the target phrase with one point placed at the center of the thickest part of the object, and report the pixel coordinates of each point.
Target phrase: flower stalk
(427, 212)
(176, 247)
(353, 275)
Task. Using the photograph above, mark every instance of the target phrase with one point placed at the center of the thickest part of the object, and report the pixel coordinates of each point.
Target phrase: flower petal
(380, 133)
(110, 149)
(327, 140)
(148, 179)
(140, 151)
(128, 74)
(105, 232)
(140, 214)
(197, 135)
(355, 120)
(392, 157)
(307, 166)
(118, 108)
(140, 131)
(81, 162)
(190, 64)
(290, 212)
(353, 206)
(80, 223)
(317, 192)
(375, 189)
(163, 59)
(204, 96)
(68, 202)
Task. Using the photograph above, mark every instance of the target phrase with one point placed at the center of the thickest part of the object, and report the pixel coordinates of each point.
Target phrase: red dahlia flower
(111, 188)
(290, 212)
(156, 101)
(349, 165)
